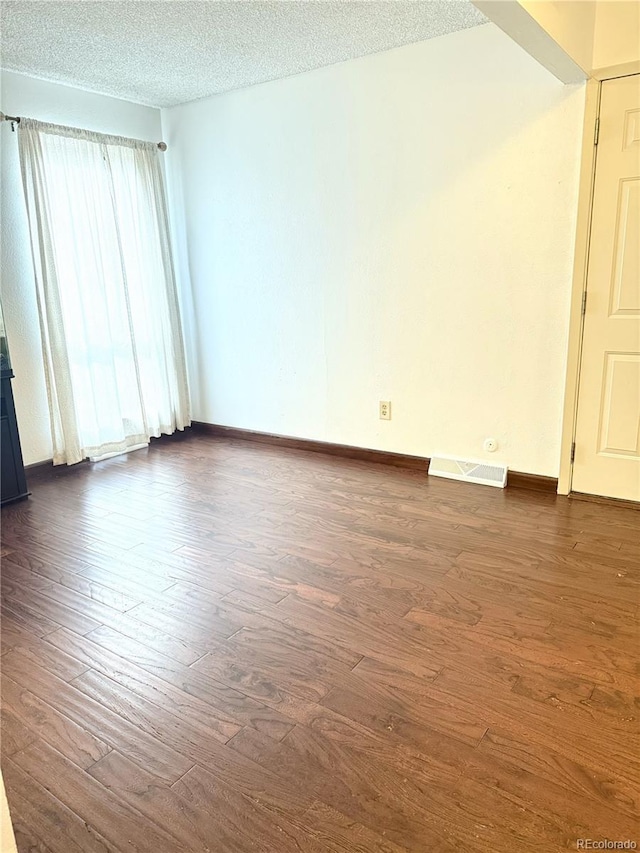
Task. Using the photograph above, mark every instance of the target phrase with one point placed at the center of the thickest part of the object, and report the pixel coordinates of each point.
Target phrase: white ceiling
(166, 52)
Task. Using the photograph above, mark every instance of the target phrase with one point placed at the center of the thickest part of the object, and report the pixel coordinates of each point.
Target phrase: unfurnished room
(320, 372)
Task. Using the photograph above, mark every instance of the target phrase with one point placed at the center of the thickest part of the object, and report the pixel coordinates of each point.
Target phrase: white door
(607, 449)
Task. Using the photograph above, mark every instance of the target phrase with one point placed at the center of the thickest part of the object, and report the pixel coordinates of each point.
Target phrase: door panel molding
(621, 379)
(626, 269)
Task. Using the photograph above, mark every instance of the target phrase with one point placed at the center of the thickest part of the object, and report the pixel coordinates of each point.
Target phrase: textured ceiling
(166, 52)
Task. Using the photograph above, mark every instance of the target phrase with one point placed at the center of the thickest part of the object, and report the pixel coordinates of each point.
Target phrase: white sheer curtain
(112, 341)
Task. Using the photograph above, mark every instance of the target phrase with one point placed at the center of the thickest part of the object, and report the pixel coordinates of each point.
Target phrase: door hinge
(573, 451)
(584, 303)
(596, 134)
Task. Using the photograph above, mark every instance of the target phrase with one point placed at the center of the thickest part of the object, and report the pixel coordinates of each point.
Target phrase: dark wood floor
(222, 646)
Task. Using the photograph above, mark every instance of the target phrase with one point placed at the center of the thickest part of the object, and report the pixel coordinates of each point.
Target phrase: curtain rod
(16, 120)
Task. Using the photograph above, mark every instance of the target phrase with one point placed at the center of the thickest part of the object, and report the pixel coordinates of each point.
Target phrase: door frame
(579, 282)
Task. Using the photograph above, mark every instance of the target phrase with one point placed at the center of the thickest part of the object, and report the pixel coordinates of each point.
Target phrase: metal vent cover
(484, 473)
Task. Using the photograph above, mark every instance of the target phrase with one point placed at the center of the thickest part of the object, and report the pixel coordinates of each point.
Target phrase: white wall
(395, 227)
(572, 25)
(616, 49)
(20, 95)
(574, 40)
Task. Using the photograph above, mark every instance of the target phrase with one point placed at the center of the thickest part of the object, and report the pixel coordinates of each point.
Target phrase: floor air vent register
(484, 473)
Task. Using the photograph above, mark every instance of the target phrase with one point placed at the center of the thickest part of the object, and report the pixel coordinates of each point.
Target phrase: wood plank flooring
(215, 645)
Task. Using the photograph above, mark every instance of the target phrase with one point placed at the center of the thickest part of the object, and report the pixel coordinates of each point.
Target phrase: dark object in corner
(13, 482)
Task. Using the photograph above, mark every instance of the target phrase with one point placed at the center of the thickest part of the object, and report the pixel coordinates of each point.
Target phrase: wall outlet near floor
(385, 410)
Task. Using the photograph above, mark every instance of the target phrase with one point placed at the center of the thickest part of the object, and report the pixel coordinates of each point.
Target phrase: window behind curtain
(106, 291)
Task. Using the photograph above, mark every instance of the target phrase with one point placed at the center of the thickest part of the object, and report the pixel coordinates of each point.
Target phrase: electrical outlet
(385, 410)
